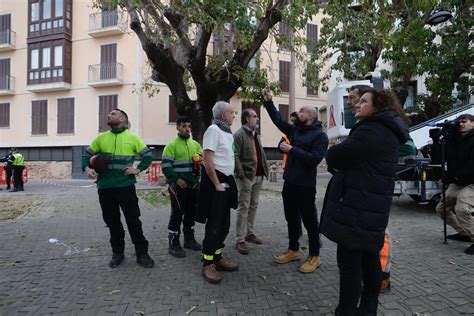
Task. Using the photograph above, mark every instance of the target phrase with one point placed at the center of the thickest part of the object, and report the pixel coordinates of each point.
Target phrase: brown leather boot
(385, 287)
(311, 264)
(226, 265)
(210, 273)
(287, 256)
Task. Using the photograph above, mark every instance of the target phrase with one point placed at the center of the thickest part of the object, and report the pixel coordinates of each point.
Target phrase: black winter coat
(309, 143)
(460, 158)
(358, 198)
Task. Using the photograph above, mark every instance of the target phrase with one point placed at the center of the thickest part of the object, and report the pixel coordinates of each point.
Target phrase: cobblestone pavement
(69, 275)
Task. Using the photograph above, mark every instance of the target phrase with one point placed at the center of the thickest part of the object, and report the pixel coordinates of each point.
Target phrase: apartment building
(64, 65)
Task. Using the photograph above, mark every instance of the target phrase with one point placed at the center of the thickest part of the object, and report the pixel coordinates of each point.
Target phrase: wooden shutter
(109, 17)
(39, 117)
(284, 109)
(284, 72)
(5, 74)
(107, 103)
(251, 105)
(4, 114)
(172, 110)
(311, 37)
(5, 29)
(108, 61)
(66, 116)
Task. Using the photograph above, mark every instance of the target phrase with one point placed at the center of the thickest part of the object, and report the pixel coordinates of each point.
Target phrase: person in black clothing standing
(8, 160)
(308, 145)
(358, 199)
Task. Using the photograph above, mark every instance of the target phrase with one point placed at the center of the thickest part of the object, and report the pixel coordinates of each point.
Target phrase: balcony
(104, 75)
(55, 78)
(7, 41)
(106, 23)
(7, 85)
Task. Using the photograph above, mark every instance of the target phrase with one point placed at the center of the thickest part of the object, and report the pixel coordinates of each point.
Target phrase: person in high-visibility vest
(18, 166)
(284, 138)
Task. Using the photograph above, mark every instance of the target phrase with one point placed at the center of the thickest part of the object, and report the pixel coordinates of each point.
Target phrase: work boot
(242, 248)
(459, 237)
(210, 273)
(287, 256)
(386, 286)
(116, 260)
(311, 264)
(145, 261)
(174, 246)
(226, 265)
(190, 242)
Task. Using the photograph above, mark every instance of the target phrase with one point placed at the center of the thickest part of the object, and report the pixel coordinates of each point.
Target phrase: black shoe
(470, 250)
(14, 190)
(145, 261)
(116, 260)
(174, 246)
(192, 244)
(21, 189)
(459, 237)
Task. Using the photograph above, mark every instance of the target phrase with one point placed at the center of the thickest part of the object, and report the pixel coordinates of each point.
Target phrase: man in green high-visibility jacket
(18, 167)
(118, 147)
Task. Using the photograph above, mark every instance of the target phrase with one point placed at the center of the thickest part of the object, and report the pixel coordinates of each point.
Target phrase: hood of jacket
(391, 120)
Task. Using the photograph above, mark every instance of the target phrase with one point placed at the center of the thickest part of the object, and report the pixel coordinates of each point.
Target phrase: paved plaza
(53, 260)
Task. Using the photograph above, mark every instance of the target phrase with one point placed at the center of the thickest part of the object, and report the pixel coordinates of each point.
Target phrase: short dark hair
(361, 88)
(294, 114)
(182, 119)
(123, 112)
(245, 115)
(469, 117)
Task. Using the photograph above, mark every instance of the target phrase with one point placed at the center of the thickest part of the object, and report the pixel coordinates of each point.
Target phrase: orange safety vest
(285, 155)
(386, 254)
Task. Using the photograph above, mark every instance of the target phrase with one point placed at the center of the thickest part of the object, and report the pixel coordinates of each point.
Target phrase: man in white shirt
(218, 191)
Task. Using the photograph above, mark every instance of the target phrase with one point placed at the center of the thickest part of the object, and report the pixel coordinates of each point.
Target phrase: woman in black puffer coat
(358, 198)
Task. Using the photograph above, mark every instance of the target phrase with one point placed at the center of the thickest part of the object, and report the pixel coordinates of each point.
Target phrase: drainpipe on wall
(138, 87)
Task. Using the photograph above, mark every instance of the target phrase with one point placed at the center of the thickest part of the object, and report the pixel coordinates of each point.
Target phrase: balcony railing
(7, 85)
(106, 23)
(105, 74)
(7, 40)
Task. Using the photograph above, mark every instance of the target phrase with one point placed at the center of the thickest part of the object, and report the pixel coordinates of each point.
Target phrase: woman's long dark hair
(385, 100)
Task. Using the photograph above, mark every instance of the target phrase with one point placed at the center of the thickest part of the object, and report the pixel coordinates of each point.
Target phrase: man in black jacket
(8, 160)
(460, 192)
(308, 147)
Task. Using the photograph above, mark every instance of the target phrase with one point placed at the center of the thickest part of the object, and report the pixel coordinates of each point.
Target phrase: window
(46, 58)
(58, 56)
(66, 116)
(172, 110)
(59, 8)
(311, 37)
(108, 61)
(39, 117)
(107, 103)
(284, 109)
(311, 80)
(35, 11)
(284, 72)
(4, 114)
(34, 58)
(5, 29)
(46, 9)
(5, 74)
(285, 34)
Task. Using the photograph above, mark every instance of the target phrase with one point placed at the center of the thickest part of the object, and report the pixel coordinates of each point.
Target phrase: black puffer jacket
(309, 147)
(358, 198)
(460, 157)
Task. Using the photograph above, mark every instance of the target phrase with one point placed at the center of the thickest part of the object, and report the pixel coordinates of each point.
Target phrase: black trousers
(357, 267)
(18, 177)
(217, 227)
(298, 203)
(183, 209)
(9, 174)
(111, 201)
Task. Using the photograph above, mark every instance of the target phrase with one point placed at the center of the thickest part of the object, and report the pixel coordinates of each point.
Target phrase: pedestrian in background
(250, 169)
(358, 199)
(8, 160)
(18, 165)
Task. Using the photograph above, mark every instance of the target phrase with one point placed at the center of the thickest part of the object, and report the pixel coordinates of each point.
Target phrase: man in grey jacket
(250, 168)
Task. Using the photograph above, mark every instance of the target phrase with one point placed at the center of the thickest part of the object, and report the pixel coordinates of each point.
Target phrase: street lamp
(439, 17)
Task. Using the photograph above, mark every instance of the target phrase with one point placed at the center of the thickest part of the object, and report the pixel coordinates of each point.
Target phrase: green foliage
(397, 32)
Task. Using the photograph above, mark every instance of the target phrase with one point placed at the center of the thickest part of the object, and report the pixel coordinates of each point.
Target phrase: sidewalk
(71, 276)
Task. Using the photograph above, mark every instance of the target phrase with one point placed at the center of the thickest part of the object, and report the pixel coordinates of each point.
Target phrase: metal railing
(105, 19)
(7, 37)
(105, 72)
(7, 83)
